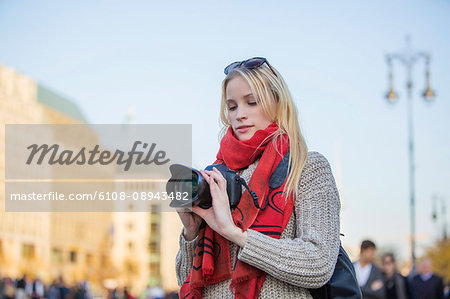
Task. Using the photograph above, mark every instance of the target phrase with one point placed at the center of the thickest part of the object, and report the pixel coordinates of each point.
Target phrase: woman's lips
(243, 129)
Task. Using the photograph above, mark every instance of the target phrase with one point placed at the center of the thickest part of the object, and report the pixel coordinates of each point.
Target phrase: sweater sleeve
(183, 263)
(307, 261)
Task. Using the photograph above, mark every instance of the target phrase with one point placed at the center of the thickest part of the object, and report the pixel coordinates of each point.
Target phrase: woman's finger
(207, 172)
(221, 181)
(212, 183)
(205, 175)
(215, 180)
(218, 172)
(213, 173)
(214, 188)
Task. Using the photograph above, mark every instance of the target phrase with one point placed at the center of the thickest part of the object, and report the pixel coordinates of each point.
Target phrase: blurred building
(131, 249)
(45, 245)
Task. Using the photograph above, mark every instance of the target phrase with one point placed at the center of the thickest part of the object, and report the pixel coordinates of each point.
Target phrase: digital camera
(193, 190)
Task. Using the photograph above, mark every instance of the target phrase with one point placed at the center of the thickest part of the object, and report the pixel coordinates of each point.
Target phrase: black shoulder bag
(343, 283)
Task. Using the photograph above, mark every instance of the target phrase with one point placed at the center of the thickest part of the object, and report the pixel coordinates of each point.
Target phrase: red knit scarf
(211, 263)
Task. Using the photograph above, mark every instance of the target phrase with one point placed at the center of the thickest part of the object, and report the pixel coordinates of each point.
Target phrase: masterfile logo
(94, 156)
(92, 167)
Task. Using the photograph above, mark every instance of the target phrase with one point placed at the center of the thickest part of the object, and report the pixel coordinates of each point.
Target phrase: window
(154, 228)
(153, 246)
(155, 209)
(56, 255)
(27, 251)
(73, 256)
(130, 225)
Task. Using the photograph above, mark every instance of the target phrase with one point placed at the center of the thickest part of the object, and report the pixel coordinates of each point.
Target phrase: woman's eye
(252, 103)
(231, 108)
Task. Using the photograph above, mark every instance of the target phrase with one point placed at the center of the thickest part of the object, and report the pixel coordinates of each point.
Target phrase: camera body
(189, 180)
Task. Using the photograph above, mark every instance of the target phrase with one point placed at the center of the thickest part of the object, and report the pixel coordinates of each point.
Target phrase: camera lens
(190, 184)
(187, 183)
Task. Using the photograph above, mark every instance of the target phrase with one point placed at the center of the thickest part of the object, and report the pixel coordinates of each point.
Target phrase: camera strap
(276, 179)
(252, 193)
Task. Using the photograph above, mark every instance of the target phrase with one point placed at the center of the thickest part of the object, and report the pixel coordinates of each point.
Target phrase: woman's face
(244, 114)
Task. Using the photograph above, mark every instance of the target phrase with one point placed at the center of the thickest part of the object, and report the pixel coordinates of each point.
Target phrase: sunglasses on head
(249, 64)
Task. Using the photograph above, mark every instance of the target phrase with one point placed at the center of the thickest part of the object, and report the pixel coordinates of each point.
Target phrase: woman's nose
(241, 114)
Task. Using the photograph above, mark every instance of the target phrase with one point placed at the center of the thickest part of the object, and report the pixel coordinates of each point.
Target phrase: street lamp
(408, 58)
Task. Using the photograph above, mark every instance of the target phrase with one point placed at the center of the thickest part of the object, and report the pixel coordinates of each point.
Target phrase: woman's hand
(219, 216)
(191, 223)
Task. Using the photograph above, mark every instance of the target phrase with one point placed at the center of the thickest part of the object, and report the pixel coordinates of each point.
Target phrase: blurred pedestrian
(9, 290)
(126, 294)
(86, 287)
(426, 284)
(156, 292)
(447, 291)
(20, 288)
(53, 291)
(63, 289)
(37, 289)
(369, 276)
(28, 287)
(396, 285)
(172, 295)
(112, 294)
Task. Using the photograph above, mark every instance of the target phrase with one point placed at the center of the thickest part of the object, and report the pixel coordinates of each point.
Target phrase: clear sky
(166, 59)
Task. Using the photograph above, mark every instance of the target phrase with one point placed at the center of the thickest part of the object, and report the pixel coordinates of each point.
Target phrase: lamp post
(408, 58)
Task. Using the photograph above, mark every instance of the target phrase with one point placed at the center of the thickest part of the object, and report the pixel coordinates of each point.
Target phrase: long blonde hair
(270, 88)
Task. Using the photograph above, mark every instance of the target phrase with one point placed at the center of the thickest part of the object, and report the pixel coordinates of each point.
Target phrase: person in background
(9, 290)
(127, 294)
(447, 291)
(369, 276)
(112, 294)
(28, 287)
(426, 285)
(63, 289)
(37, 289)
(154, 292)
(396, 285)
(20, 288)
(53, 290)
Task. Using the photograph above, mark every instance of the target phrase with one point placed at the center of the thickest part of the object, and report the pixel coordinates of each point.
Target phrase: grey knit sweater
(305, 255)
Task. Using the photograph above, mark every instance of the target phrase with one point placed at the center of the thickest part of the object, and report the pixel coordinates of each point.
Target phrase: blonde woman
(285, 240)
